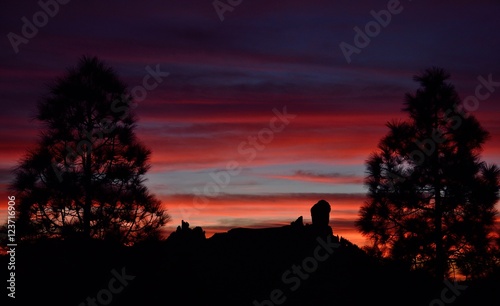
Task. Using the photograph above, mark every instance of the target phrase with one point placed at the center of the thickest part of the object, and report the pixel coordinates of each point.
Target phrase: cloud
(326, 178)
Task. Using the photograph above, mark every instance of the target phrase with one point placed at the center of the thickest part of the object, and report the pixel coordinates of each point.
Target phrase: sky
(255, 110)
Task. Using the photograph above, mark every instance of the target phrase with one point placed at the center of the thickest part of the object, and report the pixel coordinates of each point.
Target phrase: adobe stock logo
(115, 286)
(221, 8)
(138, 93)
(220, 179)
(299, 273)
(454, 116)
(372, 29)
(30, 28)
(445, 298)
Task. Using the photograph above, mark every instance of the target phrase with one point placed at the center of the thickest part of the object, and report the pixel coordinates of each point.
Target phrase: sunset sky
(228, 79)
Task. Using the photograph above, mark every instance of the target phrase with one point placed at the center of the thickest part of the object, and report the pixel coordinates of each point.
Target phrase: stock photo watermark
(221, 7)
(11, 244)
(30, 28)
(362, 37)
(445, 298)
(138, 93)
(298, 273)
(484, 89)
(248, 149)
(115, 286)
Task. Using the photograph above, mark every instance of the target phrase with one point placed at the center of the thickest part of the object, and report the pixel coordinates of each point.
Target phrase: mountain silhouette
(297, 264)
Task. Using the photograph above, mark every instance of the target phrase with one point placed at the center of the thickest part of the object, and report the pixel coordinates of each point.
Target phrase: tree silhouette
(431, 199)
(86, 175)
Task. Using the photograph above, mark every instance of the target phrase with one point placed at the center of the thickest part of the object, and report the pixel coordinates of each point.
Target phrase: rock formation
(320, 214)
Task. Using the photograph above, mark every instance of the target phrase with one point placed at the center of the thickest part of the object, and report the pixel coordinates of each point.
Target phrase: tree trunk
(440, 255)
(87, 210)
(87, 181)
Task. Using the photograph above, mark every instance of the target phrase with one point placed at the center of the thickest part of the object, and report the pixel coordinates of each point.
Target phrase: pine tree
(85, 177)
(431, 200)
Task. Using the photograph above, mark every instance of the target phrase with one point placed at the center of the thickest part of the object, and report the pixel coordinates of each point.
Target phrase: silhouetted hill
(296, 264)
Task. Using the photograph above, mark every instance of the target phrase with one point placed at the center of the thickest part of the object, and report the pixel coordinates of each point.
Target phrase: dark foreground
(283, 266)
